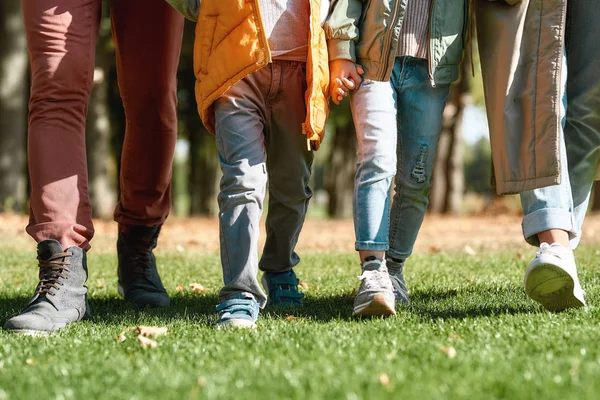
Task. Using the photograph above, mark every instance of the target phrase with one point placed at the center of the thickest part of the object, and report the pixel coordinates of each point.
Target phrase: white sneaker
(375, 296)
(551, 278)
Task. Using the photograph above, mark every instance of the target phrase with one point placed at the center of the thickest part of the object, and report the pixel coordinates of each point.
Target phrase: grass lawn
(470, 332)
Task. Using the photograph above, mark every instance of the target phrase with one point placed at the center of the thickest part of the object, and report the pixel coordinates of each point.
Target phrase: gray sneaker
(395, 268)
(375, 296)
(60, 297)
(139, 282)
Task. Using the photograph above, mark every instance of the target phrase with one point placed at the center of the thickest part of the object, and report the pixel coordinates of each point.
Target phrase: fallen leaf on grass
(146, 342)
(450, 351)
(179, 288)
(434, 249)
(304, 285)
(30, 361)
(290, 318)
(100, 284)
(520, 255)
(143, 334)
(198, 288)
(384, 379)
(152, 330)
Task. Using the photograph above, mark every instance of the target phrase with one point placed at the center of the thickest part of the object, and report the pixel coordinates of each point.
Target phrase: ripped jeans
(398, 125)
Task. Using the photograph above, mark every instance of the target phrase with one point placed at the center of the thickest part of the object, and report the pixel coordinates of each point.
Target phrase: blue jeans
(564, 206)
(259, 137)
(398, 125)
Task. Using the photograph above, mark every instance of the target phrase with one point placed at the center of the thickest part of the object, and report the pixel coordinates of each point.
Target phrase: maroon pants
(61, 36)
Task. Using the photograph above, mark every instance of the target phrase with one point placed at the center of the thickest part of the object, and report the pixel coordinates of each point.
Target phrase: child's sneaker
(395, 270)
(551, 278)
(375, 296)
(238, 313)
(282, 289)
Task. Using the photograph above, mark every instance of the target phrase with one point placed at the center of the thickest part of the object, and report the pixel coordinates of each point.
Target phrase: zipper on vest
(388, 42)
(429, 66)
(264, 59)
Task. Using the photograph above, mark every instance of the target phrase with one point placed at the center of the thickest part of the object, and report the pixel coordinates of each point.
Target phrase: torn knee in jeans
(419, 172)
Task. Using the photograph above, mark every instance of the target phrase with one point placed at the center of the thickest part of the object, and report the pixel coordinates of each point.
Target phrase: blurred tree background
(462, 170)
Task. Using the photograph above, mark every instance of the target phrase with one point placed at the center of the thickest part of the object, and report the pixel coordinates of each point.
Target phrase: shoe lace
(51, 270)
(372, 279)
(140, 259)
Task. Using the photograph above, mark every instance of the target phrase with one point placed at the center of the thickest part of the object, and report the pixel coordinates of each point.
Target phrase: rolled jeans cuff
(374, 246)
(546, 219)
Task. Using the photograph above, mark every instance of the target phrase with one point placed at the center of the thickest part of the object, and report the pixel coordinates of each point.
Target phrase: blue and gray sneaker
(282, 289)
(238, 313)
(375, 295)
(395, 268)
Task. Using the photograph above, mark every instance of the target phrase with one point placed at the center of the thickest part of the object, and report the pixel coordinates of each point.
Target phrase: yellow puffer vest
(231, 44)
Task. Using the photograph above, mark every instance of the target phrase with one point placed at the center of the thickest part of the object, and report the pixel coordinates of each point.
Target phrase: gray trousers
(259, 138)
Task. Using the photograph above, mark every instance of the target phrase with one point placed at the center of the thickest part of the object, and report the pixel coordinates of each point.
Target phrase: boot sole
(377, 307)
(552, 287)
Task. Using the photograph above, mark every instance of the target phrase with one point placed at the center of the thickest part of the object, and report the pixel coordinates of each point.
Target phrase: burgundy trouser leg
(61, 36)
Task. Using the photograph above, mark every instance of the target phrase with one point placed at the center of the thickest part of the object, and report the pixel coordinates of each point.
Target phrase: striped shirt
(414, 33)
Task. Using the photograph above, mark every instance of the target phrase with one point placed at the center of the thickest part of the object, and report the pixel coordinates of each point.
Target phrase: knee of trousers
(242, 183)
(376, 168)
(154, 106)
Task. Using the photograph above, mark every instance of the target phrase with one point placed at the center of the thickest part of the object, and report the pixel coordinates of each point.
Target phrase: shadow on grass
(113, 310)
(471, 302)
(322, 309)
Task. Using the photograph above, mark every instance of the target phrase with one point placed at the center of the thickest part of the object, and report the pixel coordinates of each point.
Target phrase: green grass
(506, 346)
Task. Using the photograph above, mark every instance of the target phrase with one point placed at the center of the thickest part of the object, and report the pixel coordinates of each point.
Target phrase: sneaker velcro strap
(284, 279)
(238, 308)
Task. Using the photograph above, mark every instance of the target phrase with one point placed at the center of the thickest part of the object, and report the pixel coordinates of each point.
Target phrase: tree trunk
(596, 198)
(204, 169)
(101, 164)
(13, 107)
(202, 181)
(448, 176)
(341, 166)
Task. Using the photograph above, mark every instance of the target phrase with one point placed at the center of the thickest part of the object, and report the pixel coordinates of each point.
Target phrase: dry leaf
(179, 288)
(520, 255)
(146, 341)
(290, 318)
(148, 331)
(434, 249)
(30, 361)
(100, 284)
(143, 332)
(304, 285)
(384, 379)
(198, 288)
(450, 351)
(469, 250)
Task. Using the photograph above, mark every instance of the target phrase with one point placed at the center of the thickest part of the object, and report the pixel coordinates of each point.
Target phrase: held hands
(345, 75)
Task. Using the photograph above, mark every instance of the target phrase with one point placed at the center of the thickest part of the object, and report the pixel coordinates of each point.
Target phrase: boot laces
(140, 258)
(51, 270)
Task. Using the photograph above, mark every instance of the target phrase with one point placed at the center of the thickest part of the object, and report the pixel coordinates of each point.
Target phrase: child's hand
(344, 76)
